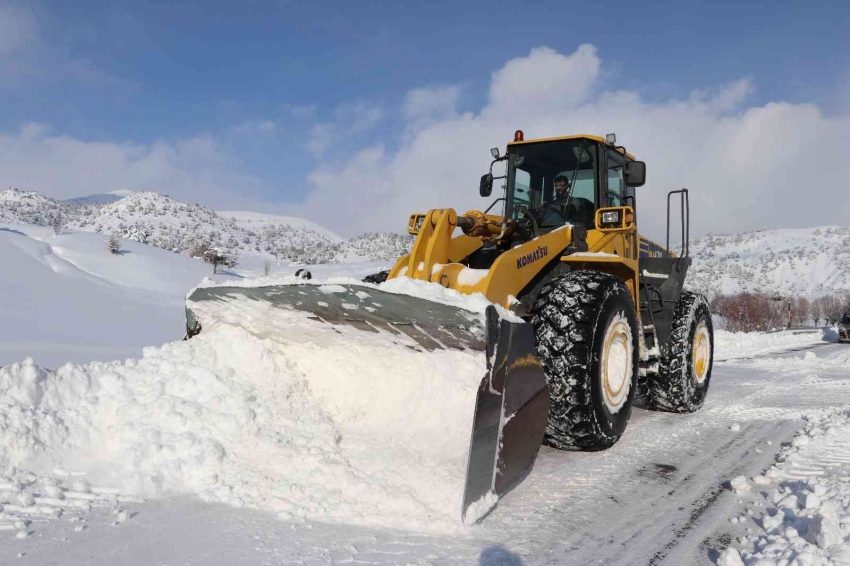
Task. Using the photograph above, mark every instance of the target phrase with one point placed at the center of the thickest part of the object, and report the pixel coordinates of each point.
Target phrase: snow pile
(806, 521)
(737, 345)
(330, 423)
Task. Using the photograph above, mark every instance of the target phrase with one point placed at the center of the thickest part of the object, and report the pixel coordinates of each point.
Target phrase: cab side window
(615, 194)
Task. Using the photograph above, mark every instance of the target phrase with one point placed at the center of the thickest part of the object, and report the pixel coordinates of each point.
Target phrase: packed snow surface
(805, 503)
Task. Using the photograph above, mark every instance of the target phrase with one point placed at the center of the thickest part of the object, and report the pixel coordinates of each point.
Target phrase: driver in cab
(559, 199)
(563, 207)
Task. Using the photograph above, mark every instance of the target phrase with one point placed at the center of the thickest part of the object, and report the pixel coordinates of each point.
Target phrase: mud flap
(511, 411)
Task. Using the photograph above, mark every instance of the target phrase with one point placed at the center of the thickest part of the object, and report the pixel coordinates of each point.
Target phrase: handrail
(686, 220)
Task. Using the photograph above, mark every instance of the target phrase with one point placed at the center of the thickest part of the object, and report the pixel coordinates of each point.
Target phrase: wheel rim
(616, 363)
(701, 357)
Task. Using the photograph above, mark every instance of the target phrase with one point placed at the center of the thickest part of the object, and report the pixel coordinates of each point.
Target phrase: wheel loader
(597, 311)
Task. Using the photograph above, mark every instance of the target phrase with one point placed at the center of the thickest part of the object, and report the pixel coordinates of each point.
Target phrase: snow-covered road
(659, 496)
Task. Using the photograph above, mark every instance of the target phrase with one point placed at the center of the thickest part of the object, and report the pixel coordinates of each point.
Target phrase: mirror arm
(494, 204)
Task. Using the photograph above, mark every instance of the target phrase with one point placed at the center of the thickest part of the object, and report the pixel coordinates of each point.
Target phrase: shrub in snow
(137, 233)
(216, 257)
(58, 223)
(114, 244)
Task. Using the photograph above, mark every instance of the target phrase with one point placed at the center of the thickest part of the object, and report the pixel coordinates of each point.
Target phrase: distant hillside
(168, 223)
(98, 198)
(807, 262)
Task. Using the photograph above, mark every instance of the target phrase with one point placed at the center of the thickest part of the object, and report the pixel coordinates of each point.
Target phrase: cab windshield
(846, 319)
(555, 181)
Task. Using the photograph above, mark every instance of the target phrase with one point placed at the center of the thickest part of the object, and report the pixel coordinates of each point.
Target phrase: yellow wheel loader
(598, 311)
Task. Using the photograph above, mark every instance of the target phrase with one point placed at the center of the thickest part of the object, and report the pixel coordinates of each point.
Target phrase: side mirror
(635, 173)
(486, 185)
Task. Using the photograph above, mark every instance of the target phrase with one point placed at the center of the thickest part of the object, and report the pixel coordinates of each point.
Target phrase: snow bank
(737, 345)
(807, 516)
(333, 424)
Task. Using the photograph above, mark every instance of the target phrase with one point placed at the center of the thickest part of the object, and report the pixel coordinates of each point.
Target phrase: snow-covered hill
(805, 262)
(29, 207)
(173, 225)
(101, 198)
(67, 299)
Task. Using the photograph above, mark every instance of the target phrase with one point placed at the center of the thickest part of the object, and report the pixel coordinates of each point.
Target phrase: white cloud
(300, 110)
(727, 98)
(321, 137)
(195, 169)
(30, 55)
(255, 127)
(775, 165)
(545, 81)
(424, 106)
(266, 126)
(350, 119)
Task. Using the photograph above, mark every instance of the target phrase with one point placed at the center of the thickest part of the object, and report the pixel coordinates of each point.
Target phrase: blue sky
(284, 89)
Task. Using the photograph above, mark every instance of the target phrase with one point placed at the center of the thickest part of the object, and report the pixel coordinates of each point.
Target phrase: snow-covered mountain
(805, 262)
(168, 223)
(100, 198)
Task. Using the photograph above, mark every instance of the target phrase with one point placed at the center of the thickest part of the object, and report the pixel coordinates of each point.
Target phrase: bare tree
(800, 309)
(816, 310)
(267, 268)
(752, 312)
(113, 243)
(832, 309)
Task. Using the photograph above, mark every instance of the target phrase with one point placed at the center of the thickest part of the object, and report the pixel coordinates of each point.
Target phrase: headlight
(611, 217)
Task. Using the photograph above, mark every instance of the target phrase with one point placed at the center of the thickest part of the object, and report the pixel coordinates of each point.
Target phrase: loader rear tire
(587, 339)
(684, 371)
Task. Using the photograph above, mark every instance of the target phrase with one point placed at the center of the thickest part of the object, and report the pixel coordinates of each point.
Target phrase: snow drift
(334, 425)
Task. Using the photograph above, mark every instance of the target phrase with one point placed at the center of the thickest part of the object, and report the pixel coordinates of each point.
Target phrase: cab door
(616, 193)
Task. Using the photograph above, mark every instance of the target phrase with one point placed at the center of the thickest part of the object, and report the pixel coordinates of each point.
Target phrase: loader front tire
(587, 339)
(684, 371)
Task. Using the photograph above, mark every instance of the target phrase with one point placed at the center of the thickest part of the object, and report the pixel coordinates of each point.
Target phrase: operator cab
(558, 181)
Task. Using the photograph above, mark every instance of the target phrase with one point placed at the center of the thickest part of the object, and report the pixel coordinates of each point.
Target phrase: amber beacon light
(518, 136)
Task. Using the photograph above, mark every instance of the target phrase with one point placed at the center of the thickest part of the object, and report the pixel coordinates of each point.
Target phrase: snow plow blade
(512, 405)
(511, 411)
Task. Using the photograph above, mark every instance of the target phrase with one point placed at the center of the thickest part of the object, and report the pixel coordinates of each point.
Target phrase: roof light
(611, 138)
(519, 136)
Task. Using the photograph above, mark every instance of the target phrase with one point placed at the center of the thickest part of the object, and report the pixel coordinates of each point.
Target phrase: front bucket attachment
(511, 411)
(430, 325)
(511, 407)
